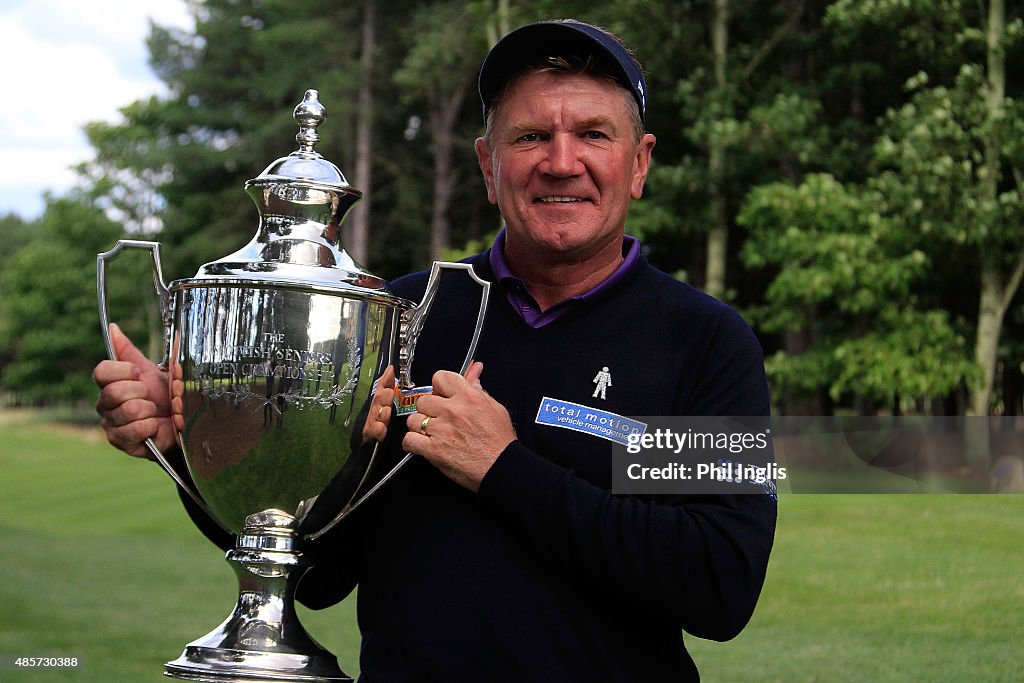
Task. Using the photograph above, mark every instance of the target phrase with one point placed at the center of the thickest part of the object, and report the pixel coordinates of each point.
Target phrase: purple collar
(526, 306)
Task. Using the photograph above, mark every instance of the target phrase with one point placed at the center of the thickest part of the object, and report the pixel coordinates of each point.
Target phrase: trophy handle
(163, 293)
(412, 320)
(409, 331)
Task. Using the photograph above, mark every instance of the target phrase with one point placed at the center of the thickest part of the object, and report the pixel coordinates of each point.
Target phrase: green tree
(954, 169)
(446, 48)
(944, 176)
(357, 226)
(48, 317)
(234, 82)
(835, 250)
(15, 234)
(736, 120)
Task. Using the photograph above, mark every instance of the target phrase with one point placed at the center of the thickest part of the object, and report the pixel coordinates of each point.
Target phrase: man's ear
(484, 159)
(641, 165)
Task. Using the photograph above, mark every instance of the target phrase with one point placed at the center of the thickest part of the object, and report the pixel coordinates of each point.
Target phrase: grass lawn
(99, 562)
(886, 588)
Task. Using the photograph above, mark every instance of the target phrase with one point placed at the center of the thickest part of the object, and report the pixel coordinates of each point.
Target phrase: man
(501, 553)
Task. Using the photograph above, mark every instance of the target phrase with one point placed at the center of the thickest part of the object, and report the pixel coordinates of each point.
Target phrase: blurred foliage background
(849, 174)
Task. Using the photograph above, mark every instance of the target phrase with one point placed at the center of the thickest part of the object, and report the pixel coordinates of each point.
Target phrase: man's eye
(529, 137)
(595, 135)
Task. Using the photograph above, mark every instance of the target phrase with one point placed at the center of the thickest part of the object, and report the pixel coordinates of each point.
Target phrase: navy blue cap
(531, 44)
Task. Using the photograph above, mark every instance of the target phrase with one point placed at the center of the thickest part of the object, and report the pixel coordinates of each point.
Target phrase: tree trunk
(1013, 390)
(718, 235)
(993, 299)
(795, 343)
(986, 344)
(443, 115)
(498, 23)
(359, 220)
(990, 305)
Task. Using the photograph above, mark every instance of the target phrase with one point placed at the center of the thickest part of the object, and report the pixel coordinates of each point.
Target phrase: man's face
(562, 164)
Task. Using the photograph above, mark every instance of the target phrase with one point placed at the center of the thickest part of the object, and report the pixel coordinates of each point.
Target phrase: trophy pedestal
(262, 641)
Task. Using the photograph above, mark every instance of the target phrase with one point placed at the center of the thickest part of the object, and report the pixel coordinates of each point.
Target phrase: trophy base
(223, 665)
(262, 641)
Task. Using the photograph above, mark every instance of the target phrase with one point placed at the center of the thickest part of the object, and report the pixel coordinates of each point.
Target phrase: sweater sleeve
(698, 561)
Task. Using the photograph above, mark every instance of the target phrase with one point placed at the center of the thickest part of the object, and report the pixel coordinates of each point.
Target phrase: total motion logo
(587, 420)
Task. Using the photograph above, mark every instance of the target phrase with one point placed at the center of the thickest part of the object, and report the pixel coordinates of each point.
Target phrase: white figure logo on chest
(603, 380)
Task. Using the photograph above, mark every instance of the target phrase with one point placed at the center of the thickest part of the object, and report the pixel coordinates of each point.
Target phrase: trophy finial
(309, 114)
(305, 165)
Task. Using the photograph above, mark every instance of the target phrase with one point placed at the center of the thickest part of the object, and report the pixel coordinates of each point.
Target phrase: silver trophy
(272, 353)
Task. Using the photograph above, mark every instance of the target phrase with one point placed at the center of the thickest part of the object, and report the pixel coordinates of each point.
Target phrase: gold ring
(380, 411)
(423, 426)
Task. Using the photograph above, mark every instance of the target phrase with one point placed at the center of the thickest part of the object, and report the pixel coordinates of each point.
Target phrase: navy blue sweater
(545, 575)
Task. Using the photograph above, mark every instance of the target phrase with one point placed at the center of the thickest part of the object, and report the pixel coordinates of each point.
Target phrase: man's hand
(134, 404)
(379, 414)
(460, 429)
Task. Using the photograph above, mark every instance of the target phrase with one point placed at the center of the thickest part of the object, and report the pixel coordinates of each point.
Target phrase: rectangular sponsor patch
(581, 418)
(405, 401)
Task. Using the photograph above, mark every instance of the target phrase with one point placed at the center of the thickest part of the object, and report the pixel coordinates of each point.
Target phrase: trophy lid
(305, 164)
(303, 199)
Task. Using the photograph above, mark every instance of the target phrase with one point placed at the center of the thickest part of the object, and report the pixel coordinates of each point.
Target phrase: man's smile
(559, 199)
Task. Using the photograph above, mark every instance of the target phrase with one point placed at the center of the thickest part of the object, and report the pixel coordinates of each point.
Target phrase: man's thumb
(123, 347)
(474, 371)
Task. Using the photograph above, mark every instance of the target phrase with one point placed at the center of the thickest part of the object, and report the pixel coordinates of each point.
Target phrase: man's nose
(563, 159)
